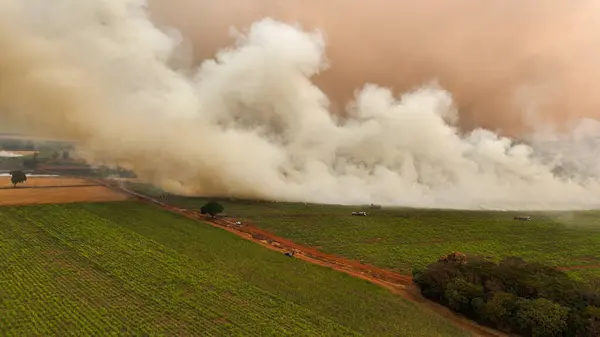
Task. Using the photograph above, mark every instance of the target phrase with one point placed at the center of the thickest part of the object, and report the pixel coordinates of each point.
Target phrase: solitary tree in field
(212, 208)
(17, 177)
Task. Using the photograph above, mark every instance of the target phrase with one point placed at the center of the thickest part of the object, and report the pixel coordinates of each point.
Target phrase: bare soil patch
(46, 182)
(23, 153)
(59, 195)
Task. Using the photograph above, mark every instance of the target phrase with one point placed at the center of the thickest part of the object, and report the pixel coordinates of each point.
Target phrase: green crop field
(126, 268)
(402, 239)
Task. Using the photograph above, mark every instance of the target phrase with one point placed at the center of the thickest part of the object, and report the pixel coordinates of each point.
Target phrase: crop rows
(125, 267)
(401, 239)
(406, 239)
(142, 269)
(60, 293)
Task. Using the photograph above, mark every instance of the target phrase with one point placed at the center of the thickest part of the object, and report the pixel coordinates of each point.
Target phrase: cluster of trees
(513, 295)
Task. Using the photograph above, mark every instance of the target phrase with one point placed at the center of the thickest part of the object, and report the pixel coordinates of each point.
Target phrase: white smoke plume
(7, 154)
(250, 123)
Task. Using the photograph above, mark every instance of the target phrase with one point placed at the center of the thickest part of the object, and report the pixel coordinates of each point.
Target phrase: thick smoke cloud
(251, 123)
(510, 65)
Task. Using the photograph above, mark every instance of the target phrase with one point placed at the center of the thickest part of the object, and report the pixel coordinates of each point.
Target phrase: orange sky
(503, 60)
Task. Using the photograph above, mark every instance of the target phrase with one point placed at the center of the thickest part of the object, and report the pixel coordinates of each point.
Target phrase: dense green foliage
(513, 295)
(17, 177)
(126, 268)
(212, 208)
(401, 239)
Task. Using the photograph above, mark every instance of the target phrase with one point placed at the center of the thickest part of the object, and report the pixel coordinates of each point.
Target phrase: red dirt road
(395, 282)
(374, 272)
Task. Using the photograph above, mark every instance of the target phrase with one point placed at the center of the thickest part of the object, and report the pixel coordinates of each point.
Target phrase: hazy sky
(508, 62)
(251, 123)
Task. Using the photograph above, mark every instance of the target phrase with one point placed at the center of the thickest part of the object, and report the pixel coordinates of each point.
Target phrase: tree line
(513, 295)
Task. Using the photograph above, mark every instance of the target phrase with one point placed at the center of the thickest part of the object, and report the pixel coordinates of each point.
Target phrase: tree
(542, 317)
(514, 295)
(459, 295)
(594, 320)
(500, 309)
(212, 208)
(17, 177)
(433, 280)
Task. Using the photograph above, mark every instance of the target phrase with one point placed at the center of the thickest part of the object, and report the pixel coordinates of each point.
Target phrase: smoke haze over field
(251, 122)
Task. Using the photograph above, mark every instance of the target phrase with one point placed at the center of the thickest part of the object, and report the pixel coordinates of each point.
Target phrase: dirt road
(395, 282)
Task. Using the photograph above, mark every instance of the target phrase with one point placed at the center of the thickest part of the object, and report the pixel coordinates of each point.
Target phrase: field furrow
(402, 239)
(128, 268)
